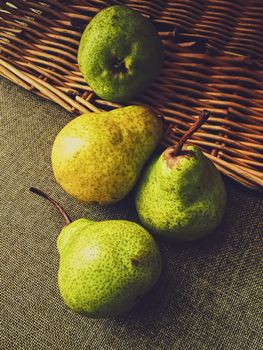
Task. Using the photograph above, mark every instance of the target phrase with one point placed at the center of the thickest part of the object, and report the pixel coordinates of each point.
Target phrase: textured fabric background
(209, 296)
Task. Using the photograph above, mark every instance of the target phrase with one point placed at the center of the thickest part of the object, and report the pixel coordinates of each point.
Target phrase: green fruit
(181, 195)
(120, 53)
(97, 157)
(105, 267)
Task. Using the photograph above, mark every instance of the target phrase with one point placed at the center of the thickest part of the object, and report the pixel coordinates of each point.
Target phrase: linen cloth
(209, 296)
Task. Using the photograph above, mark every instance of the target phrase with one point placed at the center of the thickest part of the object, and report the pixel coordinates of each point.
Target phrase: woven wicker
(214, 60)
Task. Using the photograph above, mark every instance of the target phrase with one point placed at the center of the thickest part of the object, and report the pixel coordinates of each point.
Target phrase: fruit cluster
(105, 267)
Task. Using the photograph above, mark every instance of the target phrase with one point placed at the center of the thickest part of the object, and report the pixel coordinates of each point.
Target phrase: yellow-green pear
(120, 53)
(98, 157)
(105, 267)
(181, 195)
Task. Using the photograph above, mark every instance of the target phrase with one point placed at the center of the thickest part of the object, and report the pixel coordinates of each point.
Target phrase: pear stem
(198, 123)
(55, 203)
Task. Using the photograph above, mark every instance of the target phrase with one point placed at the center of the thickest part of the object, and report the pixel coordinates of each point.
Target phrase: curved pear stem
(55, 203)
(199, 122)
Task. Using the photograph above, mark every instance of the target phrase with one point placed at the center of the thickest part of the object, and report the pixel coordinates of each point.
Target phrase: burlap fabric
(208, 297)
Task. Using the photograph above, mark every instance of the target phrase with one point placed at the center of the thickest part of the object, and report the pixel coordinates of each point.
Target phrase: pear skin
(181, 198)
(105, 267)
(98, 157)
(120, 53)
(181, 195)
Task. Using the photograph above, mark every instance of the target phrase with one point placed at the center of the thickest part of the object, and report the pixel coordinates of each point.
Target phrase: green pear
(105, 267)
(181, 194)
(120, 53)
(97, 157)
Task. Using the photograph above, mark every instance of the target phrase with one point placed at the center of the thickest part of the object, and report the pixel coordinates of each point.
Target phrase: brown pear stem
(199, 122)
(55, 203)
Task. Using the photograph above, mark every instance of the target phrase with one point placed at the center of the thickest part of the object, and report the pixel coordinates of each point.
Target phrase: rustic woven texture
(214, 60)
(210, 292)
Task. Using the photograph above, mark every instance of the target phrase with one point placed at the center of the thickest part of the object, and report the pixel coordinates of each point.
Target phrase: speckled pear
(120, 53)
(181, 195)
(105, 267)
(97, 157)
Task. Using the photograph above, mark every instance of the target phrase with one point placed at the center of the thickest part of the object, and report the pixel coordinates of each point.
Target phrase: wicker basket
(214, 60)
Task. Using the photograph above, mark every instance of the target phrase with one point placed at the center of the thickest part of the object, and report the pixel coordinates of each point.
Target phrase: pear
(97, 157)
(181, 194)
(105, 267)
(120, 53)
